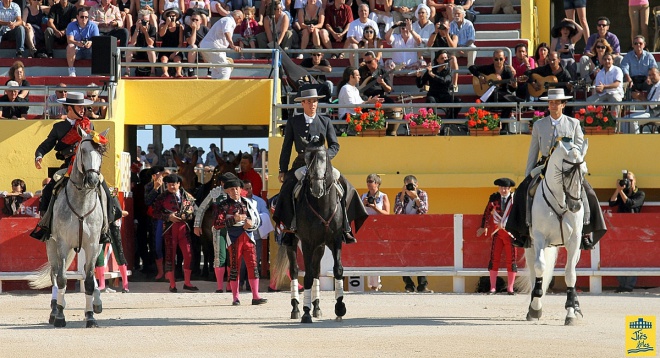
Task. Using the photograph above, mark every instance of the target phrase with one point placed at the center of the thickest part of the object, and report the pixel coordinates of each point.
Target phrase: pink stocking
(124, 276)
(220, 277)
(493, 281)
(254, 286)
(234, 289)
(511, 276)
(100, 276)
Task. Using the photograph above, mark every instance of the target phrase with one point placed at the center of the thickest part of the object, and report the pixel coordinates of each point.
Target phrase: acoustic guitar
(371, 81)
(551, 82)
(491, 80)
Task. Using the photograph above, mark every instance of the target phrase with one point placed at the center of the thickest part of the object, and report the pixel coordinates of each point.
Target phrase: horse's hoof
(339, 319)
(570, 321)
(295, 315)
(92, 324)
(306, 318)
(59, 322)
(51, 319)
(340, 309)
(317, 313)
(97, 308)
(534, 315)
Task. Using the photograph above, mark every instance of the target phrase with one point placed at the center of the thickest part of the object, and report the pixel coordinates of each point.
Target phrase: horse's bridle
(81, 165)
(326, 223)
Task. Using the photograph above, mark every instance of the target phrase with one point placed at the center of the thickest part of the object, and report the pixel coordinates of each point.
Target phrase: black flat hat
(172, 178)
(556, 31)
(233, 183)
(505, 182)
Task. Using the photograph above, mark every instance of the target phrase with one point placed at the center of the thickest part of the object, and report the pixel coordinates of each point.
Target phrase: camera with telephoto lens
(410, 186)
(442, 27)
(625, 182)
(370, 199)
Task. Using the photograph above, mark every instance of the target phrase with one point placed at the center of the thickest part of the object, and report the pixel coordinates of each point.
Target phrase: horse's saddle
(531, 191)
(300, 174)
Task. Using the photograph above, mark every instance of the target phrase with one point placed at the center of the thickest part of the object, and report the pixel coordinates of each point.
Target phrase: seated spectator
(441, 37)
(376, 203)
(170, 32)
(373, 80)
(59, 17)
(439, 81)
(424, 28)
(522, 63)
(13, 199)
(223, 7)
(11, 14)
(609, 84)
(12, 112)
(349, 94)
(95, 112)
(17, 73)
(283, 33)
(194, 34)
(553, 68)
(541, 54)
(407, 39)
(165, 5)
(33, 18)
(317, 66)
(310, 20)
(370, 40)
(503, 72)
(248, 30)
(200, 7)
(464, 30)
(356, 28)
(337, 20)
(404, 9)
(143, 34)
(109, 21)
(652, 96)
(441, 9)
(266, 9)
(590, 65)
(381, 13)
(79, 36)
(125, 11)
(55, 109)
(603, 33)
(564, 37)
(636, 65)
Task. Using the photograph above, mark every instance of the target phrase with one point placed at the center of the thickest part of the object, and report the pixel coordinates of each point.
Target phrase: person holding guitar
(502, 76)
(550, 75)
(375, 81)
(350, 94)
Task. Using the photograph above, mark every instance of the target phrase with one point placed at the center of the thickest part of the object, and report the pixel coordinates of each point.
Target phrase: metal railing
(48, 90)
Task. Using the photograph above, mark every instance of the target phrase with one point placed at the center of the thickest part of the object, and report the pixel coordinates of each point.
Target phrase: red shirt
(254, 178)
(338, 17)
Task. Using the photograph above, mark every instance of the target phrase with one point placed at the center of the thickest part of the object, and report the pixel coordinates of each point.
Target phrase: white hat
(75, 99)
(12, 84)
(555, 94)
(423, 7)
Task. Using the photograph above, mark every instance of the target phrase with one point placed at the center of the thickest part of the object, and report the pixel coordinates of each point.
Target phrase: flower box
(598, 131)
(482, 132)
(424, 131)
(372, 133)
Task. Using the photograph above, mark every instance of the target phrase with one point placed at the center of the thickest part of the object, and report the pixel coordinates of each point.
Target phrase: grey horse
(78, 215)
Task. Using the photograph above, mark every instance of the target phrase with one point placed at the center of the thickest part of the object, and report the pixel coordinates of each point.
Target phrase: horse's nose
(574, 205)
(92, 180)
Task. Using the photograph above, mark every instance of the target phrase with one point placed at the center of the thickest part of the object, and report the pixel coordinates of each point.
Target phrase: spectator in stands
(199, 7)
(248, 30)
(502, 72)
(464, 30)
(59, 17)
(310, 19)
(11, 96)
(262, 209)
(33, 18)
(109, 21)
(170, 32)
(55, 110)
(404, 9)
(498, 209)
(223, 7)
(220, 37)
(424, 28)
(381, 13)
(564, 37)
(441, 37)
(370, 40)
(541, 54)
(356, 28)
(590, 65)
(439, 81)
(151, 157)
(143, 34)
(412, 201)
(603, 33)
(371, 72)
(210, 157)
(628, 198)
(17, 73)
(11, 25)
(165, 5)
(248, 173)
(125, 11)
(318, 65)
(283, 33)
(609, 84)
(553, 68)
(194, 34)
(580, 7)
(442, 9)
(652, 96)
(79, 36)
(638, 12)
(99, 112)
(376, 203)
(522, 63)
(266, 8)
(168, 161)
(407, 39)
(338, 17)
(349, 94)
(200, 157)
(636, 64)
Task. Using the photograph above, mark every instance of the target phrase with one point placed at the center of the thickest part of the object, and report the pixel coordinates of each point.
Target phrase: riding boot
(348, 234)
(123, 271)
(100, 276)
(42, 231)
(220, 278)
(159, 267)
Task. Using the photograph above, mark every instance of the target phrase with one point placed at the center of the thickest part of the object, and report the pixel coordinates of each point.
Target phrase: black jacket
(60, 129)
(297, 130)
(632, 205)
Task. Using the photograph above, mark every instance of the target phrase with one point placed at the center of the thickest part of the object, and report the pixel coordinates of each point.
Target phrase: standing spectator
(498, 209)
(152, 157)
(59, 17)
(194, 34)
(11, 25)
(628, 199)
(522, 63)
(638, 12)
(652, 110)
(143, 34)
(412, 201)
(262, 208)
(376, 203)
(170, 32)
(603, 33)
(220, 37)
(109, 20)
(248, 30)
(338, 17)
(310, 19)
(356, 28)
(174, 207)
(580, 7)
(381, 13)
(464, 30)
(439, 80)
(55, 110)
(210, 156)
(248, 173)
(407, 39)
(79, 36)
(404, 9)
(609, 84)
(33, 16)
(17, 73)
(564, 37)
(636, 65)
(11, 96)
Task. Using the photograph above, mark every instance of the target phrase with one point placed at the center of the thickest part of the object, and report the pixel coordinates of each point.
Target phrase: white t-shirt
(378, 201)
(356, 28)
(348, 95)
(609, 77)
(425, 32)
(403, 57)
(216, 37)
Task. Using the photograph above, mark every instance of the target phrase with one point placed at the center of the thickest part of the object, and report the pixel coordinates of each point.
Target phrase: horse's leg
(316, 295)
(59, 270)
(534, 311)
(338, 274)
(312, 258)
(572, 257)
(92, 292)
(292, 253)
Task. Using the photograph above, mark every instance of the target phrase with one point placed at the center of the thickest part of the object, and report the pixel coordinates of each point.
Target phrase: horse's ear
(218, 158)
(563, 147)
(176, 158)
(237, 159)
(81, 132)
(585, 146)
(195, 156)
(105, 133)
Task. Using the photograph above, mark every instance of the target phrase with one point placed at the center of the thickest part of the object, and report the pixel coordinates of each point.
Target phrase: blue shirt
(80, 33)
(611, 39)
(633, 66)
(465, 33)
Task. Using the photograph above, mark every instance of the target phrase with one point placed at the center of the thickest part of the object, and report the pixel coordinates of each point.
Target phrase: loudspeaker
(104, 55)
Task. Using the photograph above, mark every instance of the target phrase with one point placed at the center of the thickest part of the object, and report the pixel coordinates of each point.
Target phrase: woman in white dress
(376, 203)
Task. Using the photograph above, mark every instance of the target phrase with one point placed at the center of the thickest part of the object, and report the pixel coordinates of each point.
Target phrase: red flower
(472, 110)
(477, 101)
(358, 110)
(379, 105)
(589, 119)
(605, 119)
(364, 116)
(472, 123)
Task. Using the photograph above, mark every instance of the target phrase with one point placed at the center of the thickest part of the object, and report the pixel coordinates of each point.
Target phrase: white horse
(78, 216)
(557, 220)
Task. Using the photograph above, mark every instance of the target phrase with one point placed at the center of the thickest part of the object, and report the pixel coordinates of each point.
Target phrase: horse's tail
(281, 266)
(43, 278)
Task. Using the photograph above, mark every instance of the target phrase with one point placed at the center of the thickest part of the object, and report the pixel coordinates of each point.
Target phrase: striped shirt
(9, 14)
(465, 33)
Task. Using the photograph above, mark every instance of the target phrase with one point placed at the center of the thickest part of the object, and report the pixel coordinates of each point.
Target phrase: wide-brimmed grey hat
(307, 94)
(75, 99)
(555, 94)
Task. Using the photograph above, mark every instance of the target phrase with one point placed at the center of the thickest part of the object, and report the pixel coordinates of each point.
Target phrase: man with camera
(79, 35)
(628, 199)
(412, 201)
(407, 39)
(441, 37)
(143, 35)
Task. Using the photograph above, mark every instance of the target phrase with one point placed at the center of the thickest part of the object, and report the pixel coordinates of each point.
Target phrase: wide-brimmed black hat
(172, 178)
(227, 176)
(175, 10)
(233, 183)
(556, 31)
(505, 182)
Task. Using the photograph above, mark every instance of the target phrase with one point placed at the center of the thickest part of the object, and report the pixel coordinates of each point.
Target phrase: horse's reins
(83, 171)
(326, 223)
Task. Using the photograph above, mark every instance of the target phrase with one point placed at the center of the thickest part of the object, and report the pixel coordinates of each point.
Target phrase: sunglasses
(498, 59)
(603, 25)
(369, 32)
(601, 47)
(194, 19)
(369, 61)
(316, 54)
(84, 17)
(638, 43)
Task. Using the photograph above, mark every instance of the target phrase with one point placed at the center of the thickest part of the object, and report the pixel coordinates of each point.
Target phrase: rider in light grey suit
(544, 134)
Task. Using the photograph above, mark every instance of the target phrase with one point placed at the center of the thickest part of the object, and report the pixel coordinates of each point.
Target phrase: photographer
(629, 199)
(376, 203)
(143, 34)
(411, 201)
(407, 39)
(79, 34)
